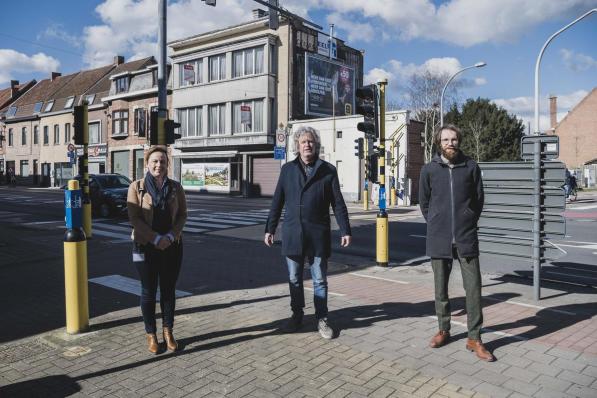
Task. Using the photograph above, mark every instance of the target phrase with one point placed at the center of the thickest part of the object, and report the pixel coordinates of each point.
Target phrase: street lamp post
(441, 99)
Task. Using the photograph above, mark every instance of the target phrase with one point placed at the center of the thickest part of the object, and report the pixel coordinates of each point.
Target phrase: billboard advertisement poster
(327, 80)
(210, 177)
(189, 73)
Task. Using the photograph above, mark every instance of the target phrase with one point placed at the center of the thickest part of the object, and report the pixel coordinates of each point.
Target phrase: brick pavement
(385, 318)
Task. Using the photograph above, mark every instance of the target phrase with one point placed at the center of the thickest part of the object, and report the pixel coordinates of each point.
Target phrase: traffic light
(153, 127)
(79, 124)
(371, 168)
(366, 105)
(169, 126)
(359, 148)
(210, 2)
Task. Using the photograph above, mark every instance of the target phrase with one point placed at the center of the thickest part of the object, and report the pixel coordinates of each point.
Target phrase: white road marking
(592, 246)
(487, 330)
(209, 225)
(380, 278)
(128, 285)
(108, 234)
(582, 207)
(43, 222)
(224, 221)
(530, 305)
(418, 236)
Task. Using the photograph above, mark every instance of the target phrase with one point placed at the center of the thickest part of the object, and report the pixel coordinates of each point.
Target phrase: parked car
(108, 193)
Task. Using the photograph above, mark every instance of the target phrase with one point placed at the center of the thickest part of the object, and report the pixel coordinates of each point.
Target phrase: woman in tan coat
(157, 210)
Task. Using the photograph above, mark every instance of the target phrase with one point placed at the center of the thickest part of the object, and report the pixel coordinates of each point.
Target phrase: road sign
(522, 173)
(281, 137)
(279, 153)
(550, 146)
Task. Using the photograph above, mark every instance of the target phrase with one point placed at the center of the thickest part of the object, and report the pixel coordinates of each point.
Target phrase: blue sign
(73, 208)
(279, 152)
(382, 198)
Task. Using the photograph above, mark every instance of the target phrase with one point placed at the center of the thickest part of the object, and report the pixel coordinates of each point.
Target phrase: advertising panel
(325, 81)
(210, 177)
(188, 73)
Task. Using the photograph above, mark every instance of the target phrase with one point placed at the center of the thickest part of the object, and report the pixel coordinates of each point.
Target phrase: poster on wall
(188, 73)
(208, 177)
(327, 80)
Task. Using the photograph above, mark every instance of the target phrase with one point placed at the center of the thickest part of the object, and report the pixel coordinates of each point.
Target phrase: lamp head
(480, 64)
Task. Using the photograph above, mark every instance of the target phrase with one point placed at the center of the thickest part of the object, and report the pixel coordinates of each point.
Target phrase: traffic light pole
(382, 215)
(162, 75)
(365, 182)
(84, 170)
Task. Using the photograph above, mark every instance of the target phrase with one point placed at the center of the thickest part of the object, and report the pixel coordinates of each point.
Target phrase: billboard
(210, 177)
(329, 87)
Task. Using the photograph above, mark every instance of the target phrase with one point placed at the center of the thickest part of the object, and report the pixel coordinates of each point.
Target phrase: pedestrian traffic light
(79, 124)
(153, 127)
(359, 148)
(366, 105)
(371, 168)
(169, 126)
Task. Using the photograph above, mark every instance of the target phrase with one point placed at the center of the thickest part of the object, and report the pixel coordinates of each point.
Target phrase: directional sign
(522, 173)
(516, 247)
(521, 198)
(520, 224)
(550, 146)
(279, 153)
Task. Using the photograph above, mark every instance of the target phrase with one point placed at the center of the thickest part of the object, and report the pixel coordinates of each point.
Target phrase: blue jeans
(319, 270)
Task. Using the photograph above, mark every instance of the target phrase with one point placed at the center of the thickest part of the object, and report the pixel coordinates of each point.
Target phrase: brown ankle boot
(441, 338)
(152, 341)
(478, 348)
(169, 339)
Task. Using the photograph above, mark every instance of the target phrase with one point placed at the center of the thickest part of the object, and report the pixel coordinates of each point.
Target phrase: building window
(216, 119)
(49, 106)
(89, 98)
(66, 133)
(140, 121)
(94, 133)
(24, 168)
(35, 135)
(11, 111)
(120, 123)
(10, 137)
(46, 135)
(56, 134)
(191, 121)
(248, 116)
(247, 62)
(24, 136)
(190, 73)
(37, 107)
(122, 84)
(69, 102)
(217, 67)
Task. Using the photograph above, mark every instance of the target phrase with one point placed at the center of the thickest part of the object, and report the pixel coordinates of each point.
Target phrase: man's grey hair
(304, 130)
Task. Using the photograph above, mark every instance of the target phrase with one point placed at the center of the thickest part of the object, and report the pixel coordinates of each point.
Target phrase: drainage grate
(18, 352)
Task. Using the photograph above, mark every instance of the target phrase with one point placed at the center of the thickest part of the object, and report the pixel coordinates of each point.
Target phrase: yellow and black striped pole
(392, 174)
(75, 262)
(85, 173)
(382, 215)
(365, 180)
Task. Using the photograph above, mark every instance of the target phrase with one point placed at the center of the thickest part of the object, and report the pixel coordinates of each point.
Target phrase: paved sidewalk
(385, 319)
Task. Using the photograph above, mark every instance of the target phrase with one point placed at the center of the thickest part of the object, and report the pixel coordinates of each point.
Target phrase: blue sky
(400, 38)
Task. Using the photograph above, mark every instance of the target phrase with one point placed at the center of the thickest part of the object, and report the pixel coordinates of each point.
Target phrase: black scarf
(158, 197)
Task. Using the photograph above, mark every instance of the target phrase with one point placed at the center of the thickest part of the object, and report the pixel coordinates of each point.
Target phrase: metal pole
(365, 181)
(87, 220)
(537, 64)
(162, 73)
(382, 217)
(441, 98)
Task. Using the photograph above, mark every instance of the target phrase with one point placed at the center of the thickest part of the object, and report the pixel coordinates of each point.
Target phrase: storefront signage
(329, 87)
(210, 177)
(323, 46)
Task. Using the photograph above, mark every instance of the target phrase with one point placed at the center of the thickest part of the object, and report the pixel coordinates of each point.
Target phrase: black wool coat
(451, 201)
(306, 229)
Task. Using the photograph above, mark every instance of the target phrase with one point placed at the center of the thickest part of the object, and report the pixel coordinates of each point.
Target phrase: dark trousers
(471, 278)
(162, 266)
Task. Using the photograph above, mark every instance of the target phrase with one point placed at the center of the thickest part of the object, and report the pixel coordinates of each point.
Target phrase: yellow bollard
(365, 199)
(75, 263)
(382, 239)
(393, 197)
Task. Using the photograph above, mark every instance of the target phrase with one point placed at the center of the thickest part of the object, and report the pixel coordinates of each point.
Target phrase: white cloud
(480, 81)
(576, 61)
(376, 74)
(12, 62)
(58, 31)
(355, 32)
(524, 107)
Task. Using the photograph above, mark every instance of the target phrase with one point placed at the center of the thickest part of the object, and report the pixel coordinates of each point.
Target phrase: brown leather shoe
(152, 342)
(441, 338)
(171, 344)
(478, 348)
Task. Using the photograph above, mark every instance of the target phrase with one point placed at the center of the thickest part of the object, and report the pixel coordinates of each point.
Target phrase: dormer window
(89, 98)
(11, 111)
(37, 107)
(69, 102)
(122, 84)
(49, 106)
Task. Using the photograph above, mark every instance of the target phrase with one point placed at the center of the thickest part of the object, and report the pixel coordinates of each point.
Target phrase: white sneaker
(325, 330)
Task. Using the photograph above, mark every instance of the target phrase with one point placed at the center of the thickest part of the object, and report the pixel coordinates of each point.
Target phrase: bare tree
(424, 92)
(476, 129)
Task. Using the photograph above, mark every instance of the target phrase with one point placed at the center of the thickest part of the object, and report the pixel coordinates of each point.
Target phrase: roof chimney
(54, 75)
(553, 112)
(259, 13)
(13, 88)
(119, 59)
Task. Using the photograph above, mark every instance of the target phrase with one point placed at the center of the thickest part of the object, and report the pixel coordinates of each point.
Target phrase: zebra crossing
(196, 224)
(28, 200)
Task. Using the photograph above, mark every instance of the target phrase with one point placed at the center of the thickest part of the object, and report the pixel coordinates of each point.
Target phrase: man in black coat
(307, 187)
(451, 199)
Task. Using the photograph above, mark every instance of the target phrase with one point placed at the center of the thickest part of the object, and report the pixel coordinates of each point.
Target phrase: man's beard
(450, 153)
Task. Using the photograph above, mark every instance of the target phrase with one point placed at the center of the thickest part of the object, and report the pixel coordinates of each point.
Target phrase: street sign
(279, 153)
(281, 137)
(503, 198)
(519, 224)
(517, 247)
(522, 173)
(550, 146)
